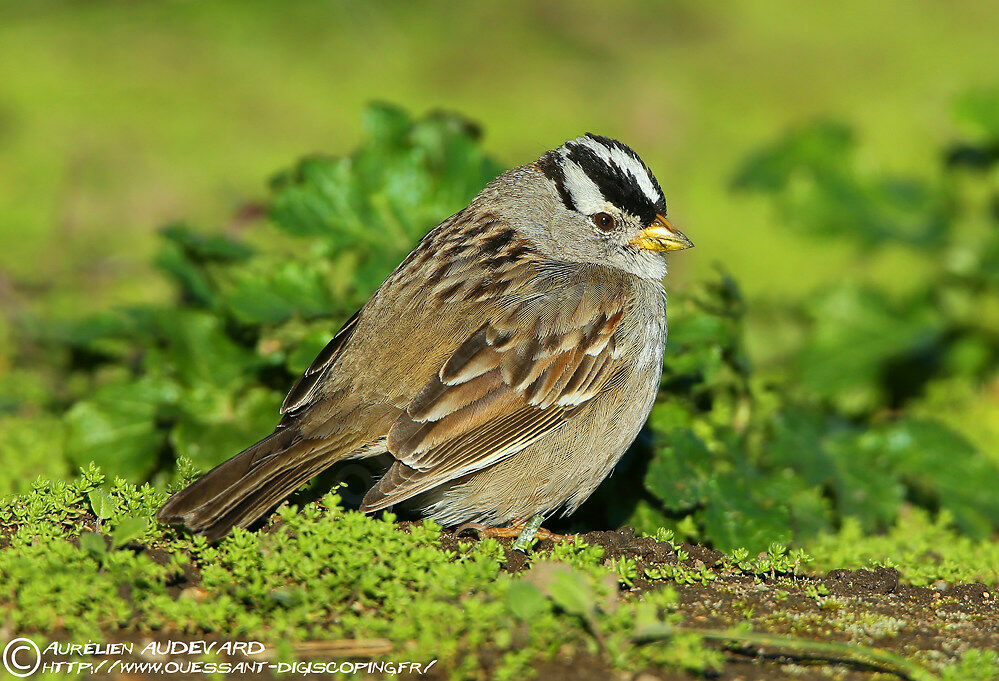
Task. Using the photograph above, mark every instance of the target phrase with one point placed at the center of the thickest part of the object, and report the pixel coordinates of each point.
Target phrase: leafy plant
(204, 378)
(737, 455)
(320, 574)
(864, 349)
(742, 456)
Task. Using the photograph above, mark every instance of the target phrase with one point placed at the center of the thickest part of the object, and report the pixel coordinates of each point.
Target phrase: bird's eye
(603, 221)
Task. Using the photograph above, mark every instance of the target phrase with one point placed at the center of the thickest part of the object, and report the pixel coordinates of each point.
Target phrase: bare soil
(868, 607)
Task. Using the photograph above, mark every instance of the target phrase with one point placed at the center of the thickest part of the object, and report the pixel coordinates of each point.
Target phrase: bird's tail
(237, 492)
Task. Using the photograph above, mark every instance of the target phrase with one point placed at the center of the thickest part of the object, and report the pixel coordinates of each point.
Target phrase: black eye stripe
(616, 184)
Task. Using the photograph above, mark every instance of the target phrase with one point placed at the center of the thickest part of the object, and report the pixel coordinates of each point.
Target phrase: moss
(973, 665)
(82, 559)
(921, 548)
(316, 572)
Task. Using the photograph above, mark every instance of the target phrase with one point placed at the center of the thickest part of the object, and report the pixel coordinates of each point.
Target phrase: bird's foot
(525, 532)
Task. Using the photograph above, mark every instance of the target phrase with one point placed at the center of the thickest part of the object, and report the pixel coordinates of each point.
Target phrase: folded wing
(548, 350)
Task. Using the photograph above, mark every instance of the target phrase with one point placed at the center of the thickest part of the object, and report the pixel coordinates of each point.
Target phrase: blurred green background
(839, 161)
(117, 117)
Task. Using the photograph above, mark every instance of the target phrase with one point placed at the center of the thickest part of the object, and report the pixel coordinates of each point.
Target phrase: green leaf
(821, 144)
(697, 345)
(101, 503)
(117, 428)
(259, 296)
(112, 336)
(197, 351)
(187, 254)
(566, 586)
(798, 443)
(680, 470)
(214, 425)
(526, 601)
(385, 125)
(571, 591)
(128, 530)
(31, 444)
(819, 187)
(204, 247)
(377, 203)
(866, 481)
(856, 333)
(93, 544)
(978, 111)
(744, 511)
(942, 469)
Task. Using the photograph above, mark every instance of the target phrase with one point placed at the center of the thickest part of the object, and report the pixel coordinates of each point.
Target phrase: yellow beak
(661, 236)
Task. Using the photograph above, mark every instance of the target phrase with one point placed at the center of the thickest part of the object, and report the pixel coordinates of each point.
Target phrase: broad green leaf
(856, 333)
(221, 424)
(771, 168)
(31, 445)
(128, 530)
(205, 247)
(978, 111)
(819, 187)
(571, 591)
(526, 601)
(117, 427)
(101, 503)
(744, 511)
(936, 463)
(381, 200)
(272, 295)
(799, 443)
(186, 255)
(385, 125)
(93, 544)
(680, 470)
(197, 351)
(866, 480)
(567, 587)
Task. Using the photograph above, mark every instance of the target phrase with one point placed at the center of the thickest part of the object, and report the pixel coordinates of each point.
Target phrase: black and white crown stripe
(590, 171)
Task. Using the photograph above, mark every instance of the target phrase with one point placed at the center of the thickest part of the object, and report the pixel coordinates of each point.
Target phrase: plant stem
(846, 652)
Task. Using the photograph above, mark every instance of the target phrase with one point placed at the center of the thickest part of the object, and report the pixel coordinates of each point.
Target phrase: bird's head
(607, 206)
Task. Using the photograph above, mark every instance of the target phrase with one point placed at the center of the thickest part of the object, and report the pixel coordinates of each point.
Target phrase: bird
(503, 368)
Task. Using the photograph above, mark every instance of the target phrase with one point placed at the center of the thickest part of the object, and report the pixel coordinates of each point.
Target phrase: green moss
(61, 586)
(83, 559)
(974, 665)
(923, 549)
(317, 572)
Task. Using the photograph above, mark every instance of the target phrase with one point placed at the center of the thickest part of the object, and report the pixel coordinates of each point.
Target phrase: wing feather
(305, 388)
(547, 350)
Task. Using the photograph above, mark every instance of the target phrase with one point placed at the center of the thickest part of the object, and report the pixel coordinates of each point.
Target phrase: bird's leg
(523, 531)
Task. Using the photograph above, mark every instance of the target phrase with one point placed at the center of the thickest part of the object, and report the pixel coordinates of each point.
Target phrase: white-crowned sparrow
(505, 365)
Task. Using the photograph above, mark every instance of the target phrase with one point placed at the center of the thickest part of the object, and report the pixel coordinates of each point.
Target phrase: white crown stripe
(626, 162)
(586, 196)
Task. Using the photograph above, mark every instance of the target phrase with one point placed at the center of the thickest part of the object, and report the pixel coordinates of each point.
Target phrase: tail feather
(239, 491)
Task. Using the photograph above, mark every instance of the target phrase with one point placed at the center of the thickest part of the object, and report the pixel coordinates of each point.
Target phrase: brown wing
(304, 389)
(548, 349)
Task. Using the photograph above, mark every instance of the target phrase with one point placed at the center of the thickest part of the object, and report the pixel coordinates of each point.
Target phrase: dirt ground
(869, 607)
